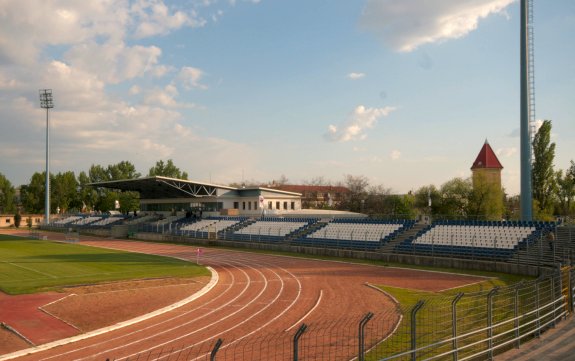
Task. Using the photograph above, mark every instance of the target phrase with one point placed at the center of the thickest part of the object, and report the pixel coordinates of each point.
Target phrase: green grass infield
(30, 266)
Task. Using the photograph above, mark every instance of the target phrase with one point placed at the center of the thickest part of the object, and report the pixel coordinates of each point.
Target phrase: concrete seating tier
(107, 221)
(86, 220)
(67, 220)
(270, 229)
(363, 234)
(211, 224)
(478, 239)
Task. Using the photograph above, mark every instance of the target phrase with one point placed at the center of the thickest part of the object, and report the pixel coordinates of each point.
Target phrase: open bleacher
(67, 220)
(200, 228)
(270, 229)
(86, 220)
(365, 234)
(474, 239)
(107, 221)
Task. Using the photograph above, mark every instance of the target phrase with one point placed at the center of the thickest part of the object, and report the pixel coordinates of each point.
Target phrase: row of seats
(87, 220)
(272, 228)
(210, 224)
(107, 221)
(536, 224)
(67, 220)
(355, 231)
(474, 239)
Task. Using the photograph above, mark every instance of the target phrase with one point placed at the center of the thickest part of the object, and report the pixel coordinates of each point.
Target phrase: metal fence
(474, 326)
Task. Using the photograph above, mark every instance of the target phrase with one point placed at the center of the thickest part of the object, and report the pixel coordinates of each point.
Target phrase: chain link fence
(458, 326)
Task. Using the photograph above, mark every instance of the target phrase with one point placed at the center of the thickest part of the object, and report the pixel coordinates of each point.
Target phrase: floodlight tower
(527, 113)
(46, 102)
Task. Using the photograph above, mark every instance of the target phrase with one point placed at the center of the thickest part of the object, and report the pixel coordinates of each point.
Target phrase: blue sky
(402, 92)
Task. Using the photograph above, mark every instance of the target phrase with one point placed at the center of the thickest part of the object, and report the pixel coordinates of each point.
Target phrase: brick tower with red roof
(487, 178)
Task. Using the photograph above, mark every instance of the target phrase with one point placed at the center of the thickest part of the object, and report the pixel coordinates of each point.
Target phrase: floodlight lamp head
(46, 100)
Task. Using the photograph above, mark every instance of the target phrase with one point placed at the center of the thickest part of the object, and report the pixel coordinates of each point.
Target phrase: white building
(168, 195)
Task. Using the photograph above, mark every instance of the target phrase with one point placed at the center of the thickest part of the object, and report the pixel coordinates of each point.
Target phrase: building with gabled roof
(486, 177)
(317, 196)
(486, 159)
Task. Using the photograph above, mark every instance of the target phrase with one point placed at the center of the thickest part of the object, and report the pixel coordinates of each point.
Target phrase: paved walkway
(554, 345)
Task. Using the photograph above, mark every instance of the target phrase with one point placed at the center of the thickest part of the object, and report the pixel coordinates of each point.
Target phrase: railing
(460, 326)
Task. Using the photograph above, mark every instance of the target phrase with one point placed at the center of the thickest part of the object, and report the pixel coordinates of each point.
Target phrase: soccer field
(28, 266)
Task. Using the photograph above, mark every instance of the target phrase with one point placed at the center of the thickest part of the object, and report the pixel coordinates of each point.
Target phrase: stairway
(390, 246)
(307, 230)
(541, 253)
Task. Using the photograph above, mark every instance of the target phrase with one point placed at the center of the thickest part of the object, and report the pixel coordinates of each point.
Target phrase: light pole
(46, 102)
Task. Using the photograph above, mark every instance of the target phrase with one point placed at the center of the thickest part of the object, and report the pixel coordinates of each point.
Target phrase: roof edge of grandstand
(110, 184)
(106, 183)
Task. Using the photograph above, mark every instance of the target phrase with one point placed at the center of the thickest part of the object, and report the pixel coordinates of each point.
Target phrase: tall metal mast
(46, 102)
(527, 113)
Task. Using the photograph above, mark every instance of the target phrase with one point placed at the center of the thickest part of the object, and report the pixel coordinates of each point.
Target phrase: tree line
(71, 193)
(458, 198)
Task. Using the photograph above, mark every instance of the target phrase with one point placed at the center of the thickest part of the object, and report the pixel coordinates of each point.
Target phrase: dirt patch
(91, 307)
(10, 342)
(88, 308)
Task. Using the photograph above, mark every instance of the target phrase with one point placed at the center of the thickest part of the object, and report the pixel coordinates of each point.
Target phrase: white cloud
(155, 18)
(134, 90)
(516, 133)
(115, 62)
(506, 152)
(395, 154)
(109, 102)
(190, 78)
(407, 24)
(357, 123)
(355, 76)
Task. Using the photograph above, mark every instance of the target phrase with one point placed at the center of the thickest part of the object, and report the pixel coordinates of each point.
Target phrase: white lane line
(47, 346)
(197, 330)
(31, 270)
(177, 315)
(273, 319)
(308, 312)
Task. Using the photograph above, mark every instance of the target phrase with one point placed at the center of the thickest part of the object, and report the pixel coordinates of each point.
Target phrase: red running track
(257, 295)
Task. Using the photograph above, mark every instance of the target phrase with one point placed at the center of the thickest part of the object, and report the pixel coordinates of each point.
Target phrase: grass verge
(29, 266)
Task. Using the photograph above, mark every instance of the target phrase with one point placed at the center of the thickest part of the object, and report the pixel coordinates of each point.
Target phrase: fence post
(570, 273)
(554, 293)
(414, 311)
(216, 348)
(296, 338)
(454, 323)
(516, 314)
(490, 320)
(362, 324)
(537, 311)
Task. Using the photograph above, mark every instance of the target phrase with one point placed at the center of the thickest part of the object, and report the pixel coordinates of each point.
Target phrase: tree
(379, 201)
(357, 186)
(32, 195)
(543, 175)
(122, 170)
(64, 191)
(426, 195)
(317, 181)
(167, 169)
(283, 180)
(7, 195)
(565, 189)
(455, 195)
(104, 199)
(403, 205)
(88, 195)
(486, 201)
